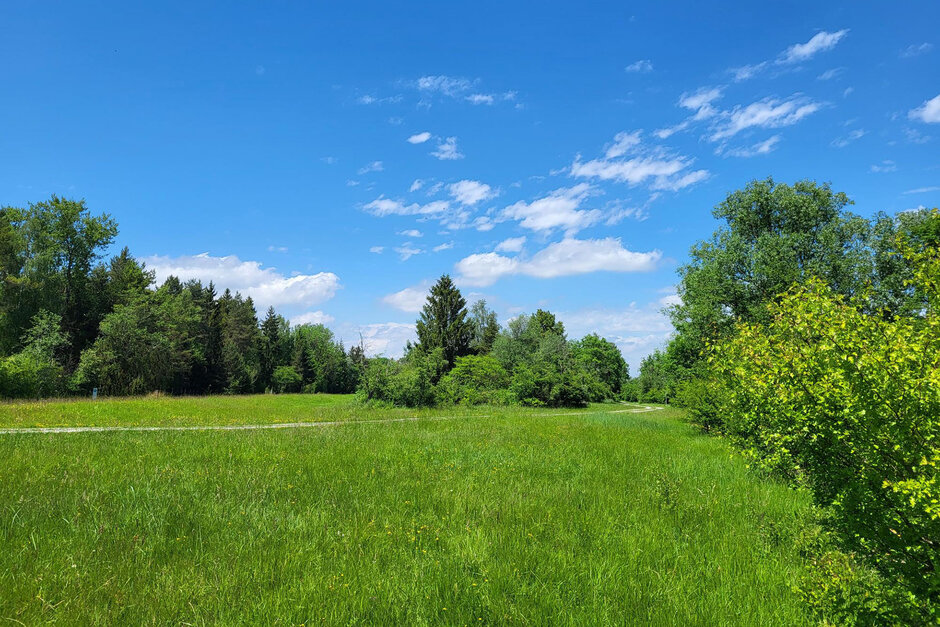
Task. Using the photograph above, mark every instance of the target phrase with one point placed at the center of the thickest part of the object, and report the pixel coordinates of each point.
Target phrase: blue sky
(334, 160)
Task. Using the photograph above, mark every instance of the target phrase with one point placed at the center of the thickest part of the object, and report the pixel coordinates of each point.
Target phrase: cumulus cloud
(559, 209)
(767, 113)
(928, 112)
(511, 245)
(640, 67)
(384, 338)
(447, 150)
(312, 317)
(653, 166)
(266, 286)
(568, 257)
(469, 193)
(419, 138)
(410, 299)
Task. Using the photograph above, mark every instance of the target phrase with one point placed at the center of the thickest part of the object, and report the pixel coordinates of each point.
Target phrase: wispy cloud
(760, 148)
(557, 210)
(915, 50)
(411, 233)
(375, 166)
(797, 53)
(885, 166)
(842, 142)
(923, 190)
(640, 67)
(767, 113)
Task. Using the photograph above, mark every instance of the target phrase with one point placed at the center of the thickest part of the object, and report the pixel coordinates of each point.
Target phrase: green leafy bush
(475, 380)
(286, 379)
(848, 405)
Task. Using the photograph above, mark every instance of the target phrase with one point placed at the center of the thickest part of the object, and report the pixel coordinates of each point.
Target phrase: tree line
(809, 337)
(72, 322)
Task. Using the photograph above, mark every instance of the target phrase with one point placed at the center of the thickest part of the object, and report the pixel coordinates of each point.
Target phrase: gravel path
(281, 425)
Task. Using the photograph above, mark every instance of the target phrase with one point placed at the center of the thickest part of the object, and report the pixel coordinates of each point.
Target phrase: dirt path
(287, 425)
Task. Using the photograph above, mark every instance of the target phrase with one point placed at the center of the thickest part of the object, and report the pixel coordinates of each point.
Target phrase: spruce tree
(443, 323)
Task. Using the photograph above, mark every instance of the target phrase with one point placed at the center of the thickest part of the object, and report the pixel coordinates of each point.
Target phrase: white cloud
(559, 209)
(568, 257)
(768, 113)
(923, 190)
(469, 193)
(407, 251)
(477, 99)
(796, 53)
(636, 330)
(622, 143)
(830, 74)
(388, 338)
(277, 249)
(701, 101)
(443, 247)
(352, 183)
(745, 72)
(266, 286)
(312, 317)
(928, 112)
(446, 85)
(447, 150)
(411, 233)
(915, 50)
(819, 42)
(419, 138)
(641, 67)
(378, 250)
(511, 245)
(842, 142)
(885, 166)
(387, 207)
(760, 148)
(375, 166)
(410, 299)
(418, 184)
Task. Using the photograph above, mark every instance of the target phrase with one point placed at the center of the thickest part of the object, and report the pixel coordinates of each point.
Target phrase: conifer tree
(443, 323)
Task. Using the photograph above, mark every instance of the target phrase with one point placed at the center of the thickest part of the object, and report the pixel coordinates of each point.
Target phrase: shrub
(286, 379)
(475, 380)
(848, 405)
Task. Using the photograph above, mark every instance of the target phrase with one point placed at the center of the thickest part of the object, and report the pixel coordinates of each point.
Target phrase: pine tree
(443, 323)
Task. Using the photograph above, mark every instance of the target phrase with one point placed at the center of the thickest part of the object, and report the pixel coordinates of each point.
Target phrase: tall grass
(519, 517)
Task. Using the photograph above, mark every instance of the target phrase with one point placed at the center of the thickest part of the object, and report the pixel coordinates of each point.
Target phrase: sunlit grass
(520, 516)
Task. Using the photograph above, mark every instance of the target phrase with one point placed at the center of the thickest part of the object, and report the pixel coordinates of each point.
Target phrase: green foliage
(602, 360)
(409, 382)
(443, 323)
(285, 379)
(484, 328)
(475, 380)
(847, 404)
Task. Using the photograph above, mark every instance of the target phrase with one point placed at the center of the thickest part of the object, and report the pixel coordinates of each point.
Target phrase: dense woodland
(806, 335)
(71, 323)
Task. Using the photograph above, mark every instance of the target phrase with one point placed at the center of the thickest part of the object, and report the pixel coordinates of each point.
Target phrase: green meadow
(464, 517)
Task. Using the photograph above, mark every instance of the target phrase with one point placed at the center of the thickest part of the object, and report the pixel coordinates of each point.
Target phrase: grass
(522, 516)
